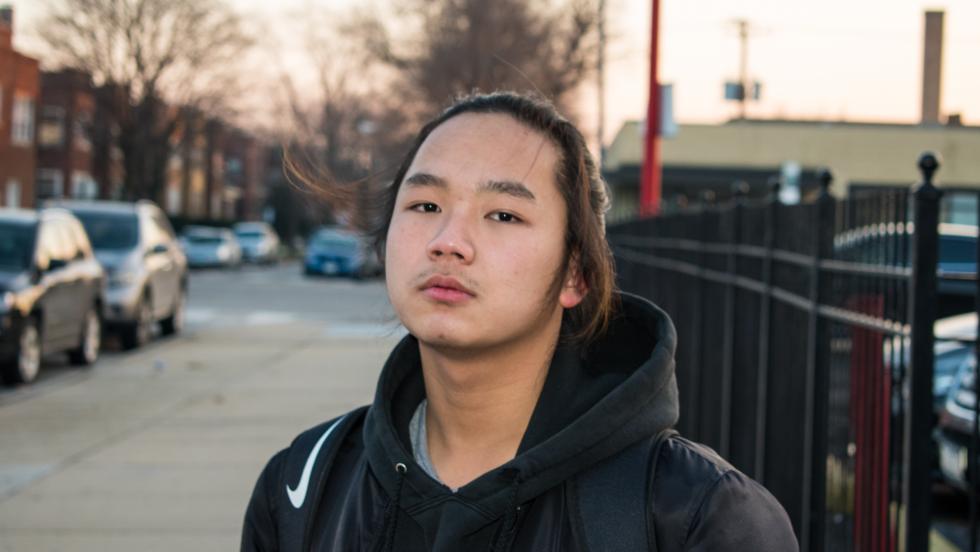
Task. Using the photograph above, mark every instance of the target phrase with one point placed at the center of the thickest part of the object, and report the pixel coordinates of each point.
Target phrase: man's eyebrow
(426, 179)
(508, 187)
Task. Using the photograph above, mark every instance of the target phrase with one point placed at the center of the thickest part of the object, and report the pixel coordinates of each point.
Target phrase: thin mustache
(467, 283)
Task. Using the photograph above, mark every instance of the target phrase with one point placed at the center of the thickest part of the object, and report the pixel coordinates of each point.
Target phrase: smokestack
(932, 67)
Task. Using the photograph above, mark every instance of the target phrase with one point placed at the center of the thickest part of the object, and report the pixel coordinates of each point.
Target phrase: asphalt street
(158, 448)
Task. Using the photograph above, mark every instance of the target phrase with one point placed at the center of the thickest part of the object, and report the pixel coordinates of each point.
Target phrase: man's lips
(446, 289)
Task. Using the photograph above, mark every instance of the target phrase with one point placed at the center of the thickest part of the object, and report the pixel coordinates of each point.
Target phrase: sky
(858, 60)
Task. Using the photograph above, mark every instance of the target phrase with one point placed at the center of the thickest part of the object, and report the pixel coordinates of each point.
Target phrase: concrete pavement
(158, 449)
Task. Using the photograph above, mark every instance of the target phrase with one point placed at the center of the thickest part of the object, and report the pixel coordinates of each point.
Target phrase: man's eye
(425, 207)
(501, 216)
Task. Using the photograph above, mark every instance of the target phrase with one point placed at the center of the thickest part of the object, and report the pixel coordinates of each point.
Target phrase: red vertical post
(650, 177)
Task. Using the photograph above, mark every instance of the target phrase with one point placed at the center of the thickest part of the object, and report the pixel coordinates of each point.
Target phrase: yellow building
(711, 157)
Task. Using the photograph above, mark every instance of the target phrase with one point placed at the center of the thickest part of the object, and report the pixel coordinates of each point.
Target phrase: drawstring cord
(505, 538)
(391, 509)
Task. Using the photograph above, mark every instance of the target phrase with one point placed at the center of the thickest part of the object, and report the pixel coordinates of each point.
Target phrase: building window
(12, 194)
(83, 187)
(22, 122)
(50, 184)
(83, 131)
(51, 127)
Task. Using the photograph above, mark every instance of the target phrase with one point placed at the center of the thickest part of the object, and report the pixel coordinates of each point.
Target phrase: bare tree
(346, 132)
(149, 55)
(449, 47)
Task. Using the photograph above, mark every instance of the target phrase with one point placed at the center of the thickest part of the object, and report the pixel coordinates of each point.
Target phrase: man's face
(477, 236)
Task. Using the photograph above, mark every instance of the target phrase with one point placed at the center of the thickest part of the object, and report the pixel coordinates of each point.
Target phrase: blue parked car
(338, 252)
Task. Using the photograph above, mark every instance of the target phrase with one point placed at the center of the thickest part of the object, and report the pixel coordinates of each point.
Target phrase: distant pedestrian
(530, 407)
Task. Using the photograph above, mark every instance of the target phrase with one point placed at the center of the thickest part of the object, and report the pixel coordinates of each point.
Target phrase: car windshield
(16, 246)
(205, 240)
(334, 242)
(110, 230)
(250, 234)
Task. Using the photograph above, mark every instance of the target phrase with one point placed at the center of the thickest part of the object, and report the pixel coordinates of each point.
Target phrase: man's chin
(441, 339)
(450, 340)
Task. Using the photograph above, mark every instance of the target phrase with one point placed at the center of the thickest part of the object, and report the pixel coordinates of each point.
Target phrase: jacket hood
(596, 401)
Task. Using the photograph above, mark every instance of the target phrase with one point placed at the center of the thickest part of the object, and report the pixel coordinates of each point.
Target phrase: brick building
(215, 171)
(185, 192)
(65, 118)
(244, 172)
(215, 192)
(19, 82)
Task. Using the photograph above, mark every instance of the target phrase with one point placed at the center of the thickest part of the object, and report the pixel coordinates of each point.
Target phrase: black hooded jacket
(594, 404)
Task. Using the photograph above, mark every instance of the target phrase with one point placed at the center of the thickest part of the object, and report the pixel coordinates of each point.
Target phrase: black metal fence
(806, 350)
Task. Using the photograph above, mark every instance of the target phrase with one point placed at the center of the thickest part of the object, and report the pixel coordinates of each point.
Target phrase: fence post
(698, 307)
(974, 445)
(728, 340)
(918, 424)
(817, 377)
(765, 334)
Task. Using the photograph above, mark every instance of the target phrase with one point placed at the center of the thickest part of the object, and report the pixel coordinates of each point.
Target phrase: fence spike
(826, 178)
(740, 189)
(929, 163)
(774, 183)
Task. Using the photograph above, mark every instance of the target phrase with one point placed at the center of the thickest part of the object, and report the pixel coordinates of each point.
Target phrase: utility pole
(600, 65)
(743, 65)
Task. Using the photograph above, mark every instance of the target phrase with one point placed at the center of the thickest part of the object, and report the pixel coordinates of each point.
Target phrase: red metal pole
(650, 177)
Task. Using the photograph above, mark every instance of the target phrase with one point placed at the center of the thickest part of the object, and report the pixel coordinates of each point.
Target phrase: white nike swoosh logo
(298, 495)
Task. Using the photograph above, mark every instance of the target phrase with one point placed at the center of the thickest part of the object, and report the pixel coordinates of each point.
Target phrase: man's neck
(479, 406)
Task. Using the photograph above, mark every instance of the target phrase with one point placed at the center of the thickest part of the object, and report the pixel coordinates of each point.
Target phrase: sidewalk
(159, 449)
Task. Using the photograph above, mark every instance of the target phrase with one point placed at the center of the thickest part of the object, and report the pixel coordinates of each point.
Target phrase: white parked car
(210, 247)
(258, 241)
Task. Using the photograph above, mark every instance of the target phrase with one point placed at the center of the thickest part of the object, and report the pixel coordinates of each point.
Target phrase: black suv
(145, 267)
(51, 292)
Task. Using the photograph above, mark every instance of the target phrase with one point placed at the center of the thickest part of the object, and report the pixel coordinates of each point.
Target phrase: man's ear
(573, 288)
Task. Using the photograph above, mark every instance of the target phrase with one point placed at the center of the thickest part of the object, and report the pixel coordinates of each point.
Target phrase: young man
(507, 419)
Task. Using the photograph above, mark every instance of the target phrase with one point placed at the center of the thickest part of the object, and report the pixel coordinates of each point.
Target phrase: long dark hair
(579, 183)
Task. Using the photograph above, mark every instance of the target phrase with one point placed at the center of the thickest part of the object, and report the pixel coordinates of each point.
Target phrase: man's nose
(452, 241)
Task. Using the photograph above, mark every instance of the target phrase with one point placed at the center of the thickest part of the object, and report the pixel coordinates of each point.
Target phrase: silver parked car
(147, 271)
(259, 242)
(207, 246)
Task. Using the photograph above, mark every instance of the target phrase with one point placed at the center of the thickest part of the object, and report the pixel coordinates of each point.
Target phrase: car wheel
(25, 365)
(138, 333)
(88, 349)
(174, 324)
